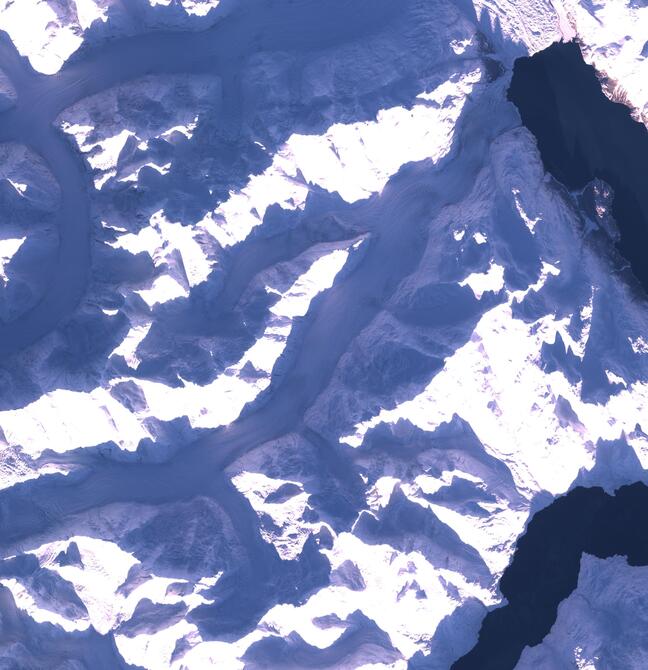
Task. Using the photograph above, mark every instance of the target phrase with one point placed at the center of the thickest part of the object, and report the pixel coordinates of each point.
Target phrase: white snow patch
(356, 160)
(105, 568)
(390, 598)
(186, 129)
(527, 25)
(639, 345)
(199, 7)
(39, 33)
(529, 222)
(62, 420)
(221, 401)
(26, 602)
(163, 241)
(287, 515)
(128, 346)
(163, 289)
(88, 11)
(481, 282)
(155, 651)
(103, 154)
(8, 249)
(612, 36)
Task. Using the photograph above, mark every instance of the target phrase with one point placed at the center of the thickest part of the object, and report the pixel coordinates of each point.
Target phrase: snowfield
(296, 334)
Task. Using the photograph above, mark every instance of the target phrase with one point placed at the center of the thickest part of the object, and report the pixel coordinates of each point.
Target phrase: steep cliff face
(296, 332)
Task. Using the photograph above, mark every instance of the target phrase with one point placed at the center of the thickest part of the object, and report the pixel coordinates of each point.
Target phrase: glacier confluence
(296, 333)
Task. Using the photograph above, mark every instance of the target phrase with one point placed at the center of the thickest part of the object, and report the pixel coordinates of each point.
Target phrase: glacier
(297, 335)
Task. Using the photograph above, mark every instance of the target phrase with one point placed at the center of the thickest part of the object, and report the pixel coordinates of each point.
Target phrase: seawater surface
(545, 567)
(583, 135)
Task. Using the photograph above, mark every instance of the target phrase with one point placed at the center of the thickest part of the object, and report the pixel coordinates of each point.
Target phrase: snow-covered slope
(612, 36)
(339, 334)
(48, 32)
(601, 625)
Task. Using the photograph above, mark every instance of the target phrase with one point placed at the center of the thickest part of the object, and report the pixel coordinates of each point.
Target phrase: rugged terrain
(296, 334)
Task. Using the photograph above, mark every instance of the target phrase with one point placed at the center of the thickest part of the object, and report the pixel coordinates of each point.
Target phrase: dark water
(581, 135)
(545, 567)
